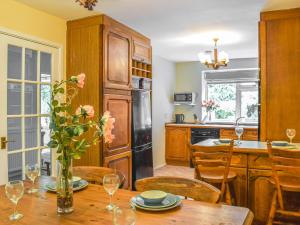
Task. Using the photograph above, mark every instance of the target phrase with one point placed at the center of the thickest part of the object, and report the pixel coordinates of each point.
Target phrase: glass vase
(64, 186)
(209, 115)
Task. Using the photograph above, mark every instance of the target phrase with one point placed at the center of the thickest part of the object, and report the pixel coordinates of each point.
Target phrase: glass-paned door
(27, 70)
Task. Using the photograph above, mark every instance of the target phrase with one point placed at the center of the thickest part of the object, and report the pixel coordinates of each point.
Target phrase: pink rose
(108, 127)
(87, 110)
(80, 80)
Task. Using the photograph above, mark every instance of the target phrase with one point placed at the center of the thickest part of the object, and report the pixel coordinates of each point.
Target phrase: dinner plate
(76, 187)
(280, 143)
(177, 203)
(167, 202)
(221, 143)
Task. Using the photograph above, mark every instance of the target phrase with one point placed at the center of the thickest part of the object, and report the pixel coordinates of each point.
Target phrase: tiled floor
(178, 171)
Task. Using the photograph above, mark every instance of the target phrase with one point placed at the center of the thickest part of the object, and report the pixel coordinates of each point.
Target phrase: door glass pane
(15, 166)
(31, 157)
(14, 62)
(30, 132)
(30, 98)
(14, 131)
(30, 64)
(46, 161)
(45, 98)
(14, 98)
(45, 67)
(45, 132)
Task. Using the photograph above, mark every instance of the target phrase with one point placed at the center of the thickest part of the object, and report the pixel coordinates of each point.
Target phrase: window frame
(239, 90)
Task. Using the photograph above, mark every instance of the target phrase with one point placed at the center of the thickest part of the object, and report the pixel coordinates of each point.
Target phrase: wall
(189, 78)
(163, 87)
(26, 20)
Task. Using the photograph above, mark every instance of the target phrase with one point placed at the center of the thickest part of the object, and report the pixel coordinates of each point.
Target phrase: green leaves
(67, 128)
(52, 144)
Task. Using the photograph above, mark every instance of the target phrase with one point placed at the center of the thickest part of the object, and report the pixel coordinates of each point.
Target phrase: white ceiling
(179, 29)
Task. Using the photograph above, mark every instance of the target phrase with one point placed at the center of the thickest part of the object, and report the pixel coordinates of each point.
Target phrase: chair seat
(216, 176)
(288, 183)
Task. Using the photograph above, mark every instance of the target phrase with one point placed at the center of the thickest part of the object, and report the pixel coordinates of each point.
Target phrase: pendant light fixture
(214, 59)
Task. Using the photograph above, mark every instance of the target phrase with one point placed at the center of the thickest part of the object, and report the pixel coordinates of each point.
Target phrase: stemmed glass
(291, 133)
(14, 191)
(32, 172)
(124, 216)
(111, 183)
(239, 131)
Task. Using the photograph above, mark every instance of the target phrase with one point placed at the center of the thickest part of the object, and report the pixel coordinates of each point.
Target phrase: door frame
(61, 69)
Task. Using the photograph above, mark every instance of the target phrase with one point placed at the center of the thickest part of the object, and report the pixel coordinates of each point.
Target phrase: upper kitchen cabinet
(280, 74)
(141, 49)
(117, 58)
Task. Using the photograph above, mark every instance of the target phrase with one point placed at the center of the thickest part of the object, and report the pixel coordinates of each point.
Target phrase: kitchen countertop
(248, 147)
(198, 125)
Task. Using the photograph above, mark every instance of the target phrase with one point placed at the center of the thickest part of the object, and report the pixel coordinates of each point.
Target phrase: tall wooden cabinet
(279, 40)
(102, 48)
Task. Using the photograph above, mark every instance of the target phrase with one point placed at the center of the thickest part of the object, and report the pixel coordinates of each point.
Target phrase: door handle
(4, 142)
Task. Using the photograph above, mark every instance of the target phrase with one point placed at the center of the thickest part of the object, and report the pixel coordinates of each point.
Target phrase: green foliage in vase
(69, 128)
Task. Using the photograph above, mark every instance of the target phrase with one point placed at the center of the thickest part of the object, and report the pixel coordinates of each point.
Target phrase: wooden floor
(178, 171)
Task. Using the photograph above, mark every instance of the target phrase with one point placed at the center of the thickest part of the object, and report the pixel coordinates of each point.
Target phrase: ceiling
(180, 29)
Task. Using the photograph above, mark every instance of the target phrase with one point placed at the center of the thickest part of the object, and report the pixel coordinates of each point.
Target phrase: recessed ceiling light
(225, 38)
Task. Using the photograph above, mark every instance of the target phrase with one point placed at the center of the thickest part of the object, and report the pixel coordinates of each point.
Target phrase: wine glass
(291, 133)
(239, 131)
(111, 183)
(32, 172)
(14, 191)
(124, 216)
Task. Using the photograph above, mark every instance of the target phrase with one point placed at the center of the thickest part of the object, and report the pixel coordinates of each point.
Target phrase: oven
(201, 134)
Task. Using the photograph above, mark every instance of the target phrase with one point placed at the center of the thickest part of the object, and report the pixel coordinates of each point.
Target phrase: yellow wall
(24, 19)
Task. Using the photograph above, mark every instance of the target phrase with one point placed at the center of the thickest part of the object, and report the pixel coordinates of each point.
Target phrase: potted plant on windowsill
(72, 133)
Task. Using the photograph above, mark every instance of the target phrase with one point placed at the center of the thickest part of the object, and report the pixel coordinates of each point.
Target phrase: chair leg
(228, 195)
(273, 208)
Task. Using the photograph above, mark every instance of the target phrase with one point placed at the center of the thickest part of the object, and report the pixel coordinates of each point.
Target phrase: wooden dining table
(89, 209)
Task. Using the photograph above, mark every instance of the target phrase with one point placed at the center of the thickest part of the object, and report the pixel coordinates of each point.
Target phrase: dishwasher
(201, 134)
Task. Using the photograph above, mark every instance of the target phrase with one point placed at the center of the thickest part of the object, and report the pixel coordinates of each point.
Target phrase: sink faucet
(237, 120)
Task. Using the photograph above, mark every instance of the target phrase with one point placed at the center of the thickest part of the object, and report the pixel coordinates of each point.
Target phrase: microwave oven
(187, 98)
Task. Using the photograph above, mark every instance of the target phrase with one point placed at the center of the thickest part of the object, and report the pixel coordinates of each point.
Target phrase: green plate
(76, 187)
(163, 208)
(167, 202)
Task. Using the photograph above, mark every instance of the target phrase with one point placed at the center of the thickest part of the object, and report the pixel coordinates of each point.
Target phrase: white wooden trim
(56, 70)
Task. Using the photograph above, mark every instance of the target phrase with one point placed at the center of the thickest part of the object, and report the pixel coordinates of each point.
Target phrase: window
(236, 96)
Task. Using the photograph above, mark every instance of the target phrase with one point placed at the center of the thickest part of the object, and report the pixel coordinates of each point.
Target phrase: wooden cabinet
(250, 134)
(141, 50)
(279, 38)
(260, 192)
(117, 59)
(228, 133)
(240, 186)
(101, 47)
(123, 163)
(120, 108)
(177, 145)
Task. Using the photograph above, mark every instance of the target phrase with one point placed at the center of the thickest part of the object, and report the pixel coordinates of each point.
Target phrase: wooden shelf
(141, 69)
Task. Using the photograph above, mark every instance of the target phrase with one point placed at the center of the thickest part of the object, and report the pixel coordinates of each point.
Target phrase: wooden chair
(94, 174)
(191, 188)
(285, 177)
(212, 166)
